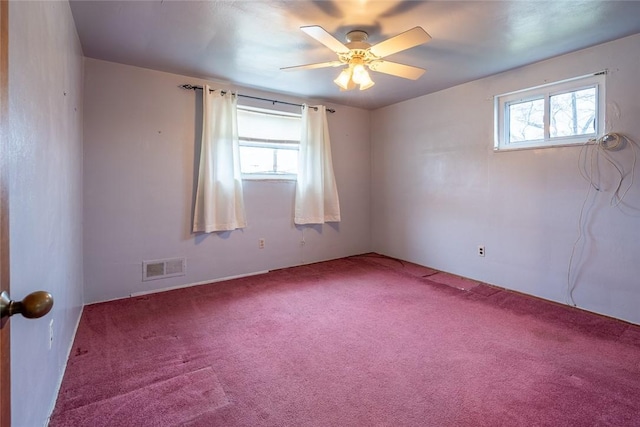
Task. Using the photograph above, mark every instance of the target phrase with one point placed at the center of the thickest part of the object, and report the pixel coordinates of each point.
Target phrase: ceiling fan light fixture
(343, 79)
(352, 76)
(359, 74)
(366, 82)
(361, 77)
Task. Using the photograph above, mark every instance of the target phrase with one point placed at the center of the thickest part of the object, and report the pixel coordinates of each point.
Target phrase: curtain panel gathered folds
(219, 202)
(316, 200)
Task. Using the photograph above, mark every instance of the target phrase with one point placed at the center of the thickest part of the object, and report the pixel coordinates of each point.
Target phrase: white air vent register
(163, 268)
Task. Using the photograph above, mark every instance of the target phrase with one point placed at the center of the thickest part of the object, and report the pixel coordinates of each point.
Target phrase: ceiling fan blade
(395, 69)
(312, 66)
(320, 34)
(413, 37)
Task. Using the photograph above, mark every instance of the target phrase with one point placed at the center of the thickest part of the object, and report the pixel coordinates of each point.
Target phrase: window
(562, 113)
(269, 143)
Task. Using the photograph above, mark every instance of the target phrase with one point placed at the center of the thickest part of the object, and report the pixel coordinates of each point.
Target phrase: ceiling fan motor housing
(357, 36)
(359, 52)
(357, 40)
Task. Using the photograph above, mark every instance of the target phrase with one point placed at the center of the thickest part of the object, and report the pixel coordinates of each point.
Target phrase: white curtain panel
(316, 192)
(219, 203)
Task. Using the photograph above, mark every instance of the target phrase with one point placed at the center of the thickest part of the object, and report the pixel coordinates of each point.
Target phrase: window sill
(537, 146)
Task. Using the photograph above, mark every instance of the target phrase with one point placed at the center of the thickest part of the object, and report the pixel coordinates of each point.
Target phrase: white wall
(140, 131)
(440, 190)
(45, 113)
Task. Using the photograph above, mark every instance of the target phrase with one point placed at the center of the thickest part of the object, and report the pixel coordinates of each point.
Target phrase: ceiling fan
(359, 55)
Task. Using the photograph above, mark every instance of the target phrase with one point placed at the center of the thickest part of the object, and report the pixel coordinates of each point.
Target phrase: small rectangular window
(269, 143)
(556, 114)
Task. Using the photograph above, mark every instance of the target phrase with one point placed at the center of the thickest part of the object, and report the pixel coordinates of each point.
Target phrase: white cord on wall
(602, 146)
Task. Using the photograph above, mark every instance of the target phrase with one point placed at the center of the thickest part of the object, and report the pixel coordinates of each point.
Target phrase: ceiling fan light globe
(343, 79)
(361, 77)
(366, 85)
(360, 74)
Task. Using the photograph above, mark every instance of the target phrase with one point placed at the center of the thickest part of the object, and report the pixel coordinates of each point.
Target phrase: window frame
(545, 92)
(268, 143)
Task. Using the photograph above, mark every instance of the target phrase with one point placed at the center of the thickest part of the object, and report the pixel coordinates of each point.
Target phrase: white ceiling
(247, 42)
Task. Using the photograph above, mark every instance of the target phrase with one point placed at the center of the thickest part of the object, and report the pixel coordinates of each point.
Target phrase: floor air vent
(163, 268)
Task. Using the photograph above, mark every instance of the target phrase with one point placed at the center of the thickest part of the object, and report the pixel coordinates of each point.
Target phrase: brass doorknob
(34, 305)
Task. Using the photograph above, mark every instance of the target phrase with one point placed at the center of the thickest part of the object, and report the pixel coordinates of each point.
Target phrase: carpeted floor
(360, 341)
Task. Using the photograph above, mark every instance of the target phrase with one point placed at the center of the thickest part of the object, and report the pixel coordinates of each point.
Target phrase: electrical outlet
(261, 243)
(50, 334)
(480, 250)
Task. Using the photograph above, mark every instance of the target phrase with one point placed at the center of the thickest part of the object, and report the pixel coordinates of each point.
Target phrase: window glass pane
(287, 161)
(573, 113)
(256, 159)
(526, 120)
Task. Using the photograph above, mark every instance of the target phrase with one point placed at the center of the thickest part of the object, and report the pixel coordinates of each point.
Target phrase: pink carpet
(360, 341)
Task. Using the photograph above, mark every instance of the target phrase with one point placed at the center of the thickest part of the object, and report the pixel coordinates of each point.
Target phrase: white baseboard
(205, 282)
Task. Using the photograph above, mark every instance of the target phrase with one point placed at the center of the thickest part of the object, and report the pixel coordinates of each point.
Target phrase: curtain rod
(273, 101)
